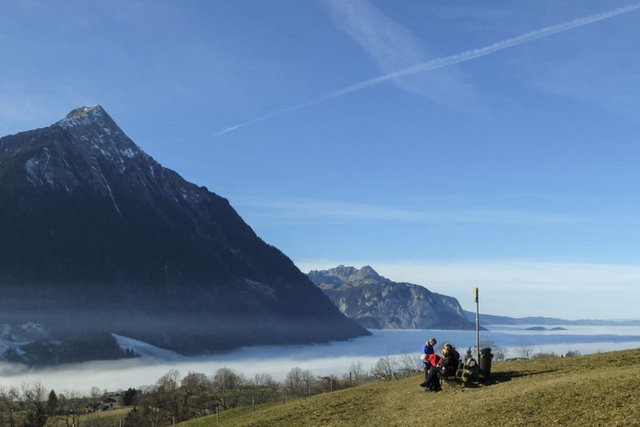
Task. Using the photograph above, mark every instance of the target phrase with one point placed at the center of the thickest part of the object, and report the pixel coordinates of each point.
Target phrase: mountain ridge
(492, 319)
(379, 303)
(99, 237)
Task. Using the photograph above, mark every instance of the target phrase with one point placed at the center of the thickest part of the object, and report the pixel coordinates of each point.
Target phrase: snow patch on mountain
(146, 350)
(15, 336)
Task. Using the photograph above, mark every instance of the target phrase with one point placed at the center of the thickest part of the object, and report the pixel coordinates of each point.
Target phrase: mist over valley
(334, 358)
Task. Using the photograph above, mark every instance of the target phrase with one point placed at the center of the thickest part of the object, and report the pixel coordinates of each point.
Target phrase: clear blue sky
(450, 144)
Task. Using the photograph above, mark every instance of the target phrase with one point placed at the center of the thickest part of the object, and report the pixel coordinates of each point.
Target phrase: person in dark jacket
(450, 360)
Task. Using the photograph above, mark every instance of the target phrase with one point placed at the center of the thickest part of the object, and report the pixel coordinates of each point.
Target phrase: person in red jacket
(432, 382)
(427, 350)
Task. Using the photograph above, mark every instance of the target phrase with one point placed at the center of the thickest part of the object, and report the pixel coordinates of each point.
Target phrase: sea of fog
(335, 358)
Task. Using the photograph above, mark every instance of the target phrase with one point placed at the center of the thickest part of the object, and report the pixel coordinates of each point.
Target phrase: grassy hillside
(599, 389)
(98, 419)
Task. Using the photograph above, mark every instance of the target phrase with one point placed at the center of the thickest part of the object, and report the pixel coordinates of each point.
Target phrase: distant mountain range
(488, 319)
(379, 303)
(97, 238)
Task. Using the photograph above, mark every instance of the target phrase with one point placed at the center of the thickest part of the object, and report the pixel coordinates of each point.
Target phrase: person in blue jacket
(427, 349)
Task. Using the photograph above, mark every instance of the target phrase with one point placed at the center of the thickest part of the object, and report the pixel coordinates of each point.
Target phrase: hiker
(427, 350)
(432, 375)
(446, 366)
(428, 347)
(450, 360)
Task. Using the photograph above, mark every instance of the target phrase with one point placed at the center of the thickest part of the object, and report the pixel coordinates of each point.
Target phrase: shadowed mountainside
(98, 237)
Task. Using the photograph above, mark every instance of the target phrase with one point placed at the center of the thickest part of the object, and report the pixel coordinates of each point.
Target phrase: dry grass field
(593, 390)
(98, 419)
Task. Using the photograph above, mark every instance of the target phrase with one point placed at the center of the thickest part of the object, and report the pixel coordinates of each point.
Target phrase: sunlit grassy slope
(600, 389)
(98, 419)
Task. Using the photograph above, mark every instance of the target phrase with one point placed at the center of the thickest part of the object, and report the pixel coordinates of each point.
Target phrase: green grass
(97, 419)
(600, 389)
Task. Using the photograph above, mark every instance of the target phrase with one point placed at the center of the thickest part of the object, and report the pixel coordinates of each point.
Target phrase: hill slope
(599, 389)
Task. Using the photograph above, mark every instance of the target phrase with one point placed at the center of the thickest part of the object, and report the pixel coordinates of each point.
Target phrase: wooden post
(475, 295)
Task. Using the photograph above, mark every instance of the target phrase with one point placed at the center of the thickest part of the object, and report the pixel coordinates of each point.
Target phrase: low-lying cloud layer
(334, 358)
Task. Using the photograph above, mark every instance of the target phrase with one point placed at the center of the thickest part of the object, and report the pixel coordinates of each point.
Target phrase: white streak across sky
(446, 61)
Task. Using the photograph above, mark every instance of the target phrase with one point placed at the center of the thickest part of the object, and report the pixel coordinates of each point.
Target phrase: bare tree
(193, 389)
(263, 380)
(299, 381)
(167, 401)
(96, 393)
(357, 372)
(499, 353)
(265, 388)
(68, 404)
(308, 379)
(384, 368)
(154, 416)
(9, 405)
(34, 398)
(409, 363)
(169, 381)
(525, 351)
(227, 384)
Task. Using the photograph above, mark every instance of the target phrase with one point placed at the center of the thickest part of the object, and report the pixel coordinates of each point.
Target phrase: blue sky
(451, 144)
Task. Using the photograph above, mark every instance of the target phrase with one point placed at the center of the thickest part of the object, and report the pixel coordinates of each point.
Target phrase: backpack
(468, 370)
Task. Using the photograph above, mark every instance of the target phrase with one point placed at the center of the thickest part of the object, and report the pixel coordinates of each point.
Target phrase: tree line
(175, 398)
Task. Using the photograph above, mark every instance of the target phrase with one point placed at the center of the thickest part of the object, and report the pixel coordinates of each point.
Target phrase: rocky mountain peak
(378, 303)
(84, 115)
(350, 276)
(368, 273)
(87, 136)
(83, 119)
(98, 237)
(92, 126)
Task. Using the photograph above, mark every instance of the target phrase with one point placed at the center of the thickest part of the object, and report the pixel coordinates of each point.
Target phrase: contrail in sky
(447, 61)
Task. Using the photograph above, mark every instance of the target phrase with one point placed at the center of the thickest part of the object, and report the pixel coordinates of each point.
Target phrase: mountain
(98, 238)
(489, 319)
(378, 303)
